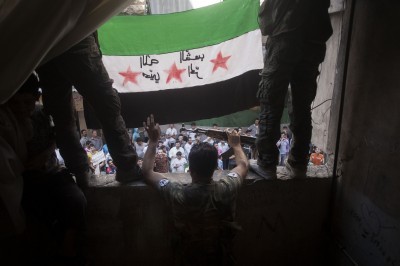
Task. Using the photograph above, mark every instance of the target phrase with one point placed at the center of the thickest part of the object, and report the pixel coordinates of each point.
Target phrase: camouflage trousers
(290, 60)
(82, 67)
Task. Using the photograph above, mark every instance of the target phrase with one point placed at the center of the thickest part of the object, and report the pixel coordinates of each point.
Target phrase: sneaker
(131, 175)
(296, 171)
(268, 173)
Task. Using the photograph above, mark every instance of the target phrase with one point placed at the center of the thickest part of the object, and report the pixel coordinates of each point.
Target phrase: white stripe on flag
(186, 68)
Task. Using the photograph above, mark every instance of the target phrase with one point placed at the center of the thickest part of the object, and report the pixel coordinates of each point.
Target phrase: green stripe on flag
(159, 34)
(239, 119)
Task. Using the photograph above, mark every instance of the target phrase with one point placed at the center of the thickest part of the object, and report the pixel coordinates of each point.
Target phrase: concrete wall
(283, 223)
(367, 212)
(321, 115)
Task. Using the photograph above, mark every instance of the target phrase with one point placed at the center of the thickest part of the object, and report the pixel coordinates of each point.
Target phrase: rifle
(221, 135)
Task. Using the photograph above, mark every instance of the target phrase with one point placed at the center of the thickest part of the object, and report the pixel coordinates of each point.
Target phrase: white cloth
(192, 135)
(59, 158)
(178, 165)
(171, 131)
(209, 140)
(174, 150)
(31, 36)
(140, 149)
(83, 141)
(98, 157)
(223, 147)
(188, 147)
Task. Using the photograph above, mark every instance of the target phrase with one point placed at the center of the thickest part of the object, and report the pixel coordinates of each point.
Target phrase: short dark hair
(139, 139)
(83, 130)
(31, 85)
(203, 159)
(179, 153)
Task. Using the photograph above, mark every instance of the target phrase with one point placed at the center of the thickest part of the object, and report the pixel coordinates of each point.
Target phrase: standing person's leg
(58, 102)
(225, 163)
(83, 67)
(281, 159)
(304, 87)
(70, 211)
(281, 57)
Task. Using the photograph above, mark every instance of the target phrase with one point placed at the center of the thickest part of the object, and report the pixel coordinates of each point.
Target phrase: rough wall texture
(321, 114)
(323, 100)
(283, 224)
(367, 215)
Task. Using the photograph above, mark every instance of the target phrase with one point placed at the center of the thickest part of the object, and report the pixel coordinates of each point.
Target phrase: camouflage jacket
(280, 16)
(204, 219)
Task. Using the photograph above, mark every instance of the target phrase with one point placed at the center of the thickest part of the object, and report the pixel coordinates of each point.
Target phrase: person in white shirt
(181, 140)
(178, 163)
(139, 146)
(188, 147)
(224, 147)
(192, 134)
(171, 131)
(84, 137)
(210, 140)
(253, 129)
(174, 150)
(164, 142)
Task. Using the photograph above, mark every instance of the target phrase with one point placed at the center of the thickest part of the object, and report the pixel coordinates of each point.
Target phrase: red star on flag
(129, 76)
(220, 61)
(175, 73)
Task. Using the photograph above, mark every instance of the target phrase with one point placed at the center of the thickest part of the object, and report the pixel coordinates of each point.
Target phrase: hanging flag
(185, 66)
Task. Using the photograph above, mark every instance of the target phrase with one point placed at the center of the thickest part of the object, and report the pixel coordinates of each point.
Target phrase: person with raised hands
(204, 210)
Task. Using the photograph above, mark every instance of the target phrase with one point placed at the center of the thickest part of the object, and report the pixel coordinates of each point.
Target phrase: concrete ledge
(312, 171)
(282, 220)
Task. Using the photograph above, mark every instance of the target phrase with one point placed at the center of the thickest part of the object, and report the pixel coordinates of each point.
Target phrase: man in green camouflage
(203, 211)
(297, 32)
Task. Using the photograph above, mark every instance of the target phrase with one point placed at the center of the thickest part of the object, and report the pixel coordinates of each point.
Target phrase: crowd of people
(174, 145)
(172, 151)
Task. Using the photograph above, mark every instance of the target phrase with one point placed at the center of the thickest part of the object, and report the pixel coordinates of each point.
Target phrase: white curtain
(33, 32)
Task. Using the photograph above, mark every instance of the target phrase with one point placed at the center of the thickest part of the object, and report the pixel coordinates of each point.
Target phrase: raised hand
(153, 129)
(233, 138)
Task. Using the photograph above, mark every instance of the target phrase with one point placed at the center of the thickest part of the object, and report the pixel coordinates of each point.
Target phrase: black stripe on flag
(187, 104)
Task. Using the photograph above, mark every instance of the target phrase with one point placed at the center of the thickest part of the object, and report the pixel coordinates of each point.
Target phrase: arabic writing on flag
(184, 69)
(185, 66)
